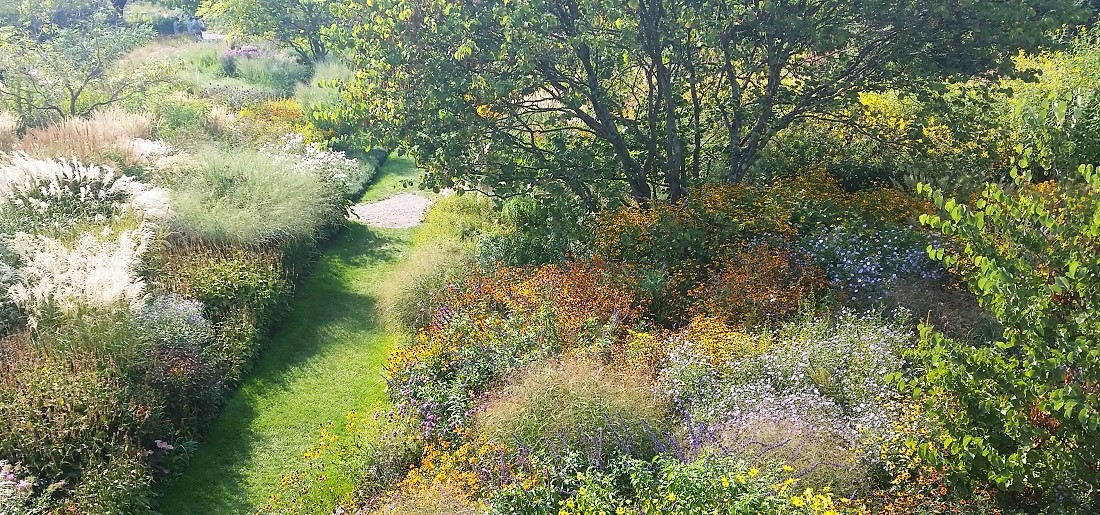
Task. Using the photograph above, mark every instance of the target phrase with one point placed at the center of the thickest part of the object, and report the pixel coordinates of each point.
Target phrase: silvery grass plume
(79, 235)
(42, 184)
(89, 273)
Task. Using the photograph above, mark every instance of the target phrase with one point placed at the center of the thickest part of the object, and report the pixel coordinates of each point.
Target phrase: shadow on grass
(276, 403)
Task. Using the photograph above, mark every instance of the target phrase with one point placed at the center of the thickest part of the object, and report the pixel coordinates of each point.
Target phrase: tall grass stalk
(106, 135)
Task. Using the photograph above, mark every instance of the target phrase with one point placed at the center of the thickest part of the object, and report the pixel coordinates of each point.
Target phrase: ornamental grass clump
(104, 136)
(577, 406)
(244, 197)
(62, 199)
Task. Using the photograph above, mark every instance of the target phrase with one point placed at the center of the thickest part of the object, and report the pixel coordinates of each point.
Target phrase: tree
(295, 23)
(74, 71)
(653, 94)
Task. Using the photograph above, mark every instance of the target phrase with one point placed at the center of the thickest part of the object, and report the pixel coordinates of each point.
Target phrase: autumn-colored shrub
(757, 284)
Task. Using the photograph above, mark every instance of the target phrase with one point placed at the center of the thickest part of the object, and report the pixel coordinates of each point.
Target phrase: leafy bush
(180, 366)
(708, 484)
(237, 94)
(243, 293)
(1021, 413)
(178, 117)
(245, 197)
(534, 232)
(76, 421)
(269, 69)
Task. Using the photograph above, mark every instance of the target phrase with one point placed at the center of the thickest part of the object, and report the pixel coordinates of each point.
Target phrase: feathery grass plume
(8, 127)
(56, 279)
(64, 198)
(106, 135)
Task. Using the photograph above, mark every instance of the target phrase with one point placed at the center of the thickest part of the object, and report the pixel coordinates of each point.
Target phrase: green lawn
(324, 361)
(394, 177)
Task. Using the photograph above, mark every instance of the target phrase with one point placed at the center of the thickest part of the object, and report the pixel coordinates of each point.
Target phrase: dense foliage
(591, 98)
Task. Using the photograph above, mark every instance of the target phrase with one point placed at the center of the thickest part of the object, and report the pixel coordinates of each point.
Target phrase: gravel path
(400, 211)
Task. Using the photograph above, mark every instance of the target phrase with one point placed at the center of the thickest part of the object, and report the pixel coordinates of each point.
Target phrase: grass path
(324, 361)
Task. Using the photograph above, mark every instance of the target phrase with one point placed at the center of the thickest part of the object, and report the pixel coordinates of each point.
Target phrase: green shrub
(180, 365)
(1021, 413)
(534, 232)
(706, 484)
(243, 197)
(243, 292)
(271, 70)
(65, 417)
(237, 94)
(179, 118)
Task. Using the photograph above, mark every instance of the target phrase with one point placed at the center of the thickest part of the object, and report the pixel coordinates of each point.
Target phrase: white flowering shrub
(331, 165)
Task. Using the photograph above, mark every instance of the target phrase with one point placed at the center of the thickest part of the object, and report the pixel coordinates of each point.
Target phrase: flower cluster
(867, 260)
(13, 481)
(332, 165)
(827, 374)
(494, 323)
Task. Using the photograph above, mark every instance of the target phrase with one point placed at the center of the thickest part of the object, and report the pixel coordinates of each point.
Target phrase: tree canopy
(295, 23)
(591, 95)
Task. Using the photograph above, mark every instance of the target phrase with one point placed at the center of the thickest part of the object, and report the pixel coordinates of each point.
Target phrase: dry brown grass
(8, 137)
(105, 136)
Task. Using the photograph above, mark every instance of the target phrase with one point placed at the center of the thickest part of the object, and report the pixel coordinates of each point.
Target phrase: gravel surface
(397, 212)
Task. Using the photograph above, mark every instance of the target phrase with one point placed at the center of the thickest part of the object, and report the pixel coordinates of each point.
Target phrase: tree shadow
(329, 304)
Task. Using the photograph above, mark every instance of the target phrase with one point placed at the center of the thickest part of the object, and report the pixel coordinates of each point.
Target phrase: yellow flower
(740, 478)
(671, 497)
(725, 482)
(753, 472)
(798, 502)
(788, 468)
